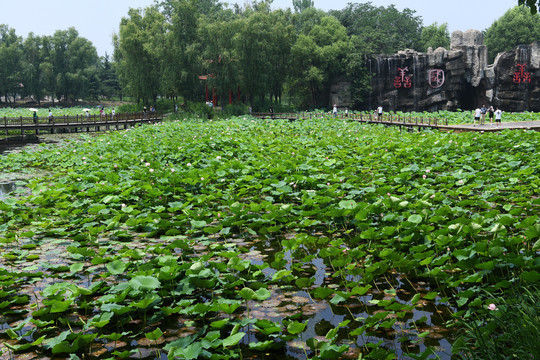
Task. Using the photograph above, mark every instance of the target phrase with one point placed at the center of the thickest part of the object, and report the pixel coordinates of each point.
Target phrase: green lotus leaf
(117, 267)
(144, 283)
(415, 219)
(233, 339)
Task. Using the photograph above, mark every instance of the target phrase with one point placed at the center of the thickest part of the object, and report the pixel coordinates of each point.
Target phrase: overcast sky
(97, 20)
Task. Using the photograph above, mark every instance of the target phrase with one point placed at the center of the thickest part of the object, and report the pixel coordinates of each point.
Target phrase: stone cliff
(457, 78)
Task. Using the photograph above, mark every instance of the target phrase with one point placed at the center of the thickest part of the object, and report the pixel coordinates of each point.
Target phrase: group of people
(101, 113)
(480, 115)
(335, 111)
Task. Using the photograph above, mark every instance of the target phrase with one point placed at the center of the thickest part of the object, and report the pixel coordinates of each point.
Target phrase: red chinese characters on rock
(436, 78)
(402, 79)
(521, 76)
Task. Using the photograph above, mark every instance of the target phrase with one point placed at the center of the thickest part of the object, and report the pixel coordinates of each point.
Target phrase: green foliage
(10, 54)
(317, 57)
(201, 110)
(381, 30)
(508, 327)
(243, 233)
(138, 53)
(533, 5)
(518, 26)
(435, 36)
(235, 110)
(301, 5)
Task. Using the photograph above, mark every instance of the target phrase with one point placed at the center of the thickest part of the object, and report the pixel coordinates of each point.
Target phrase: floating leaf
(233, 339)
(144, 283)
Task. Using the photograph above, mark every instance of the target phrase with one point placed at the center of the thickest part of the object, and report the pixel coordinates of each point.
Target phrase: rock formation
(457, 78)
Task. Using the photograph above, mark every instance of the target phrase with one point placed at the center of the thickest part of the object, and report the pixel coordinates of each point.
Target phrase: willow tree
(317, 57)
(140, 50)
(10, 58)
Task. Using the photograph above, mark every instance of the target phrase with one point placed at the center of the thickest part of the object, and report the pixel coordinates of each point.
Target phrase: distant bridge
(408, 122)
(56, 124)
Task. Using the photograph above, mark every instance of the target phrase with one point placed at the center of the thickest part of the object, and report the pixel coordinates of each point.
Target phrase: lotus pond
(249, 239)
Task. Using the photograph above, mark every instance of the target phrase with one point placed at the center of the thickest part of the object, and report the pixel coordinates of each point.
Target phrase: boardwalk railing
(387, 119)
(76, 123)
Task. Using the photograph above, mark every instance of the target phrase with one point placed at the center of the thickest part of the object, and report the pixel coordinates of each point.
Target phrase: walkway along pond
(76, 123)
(407, 121)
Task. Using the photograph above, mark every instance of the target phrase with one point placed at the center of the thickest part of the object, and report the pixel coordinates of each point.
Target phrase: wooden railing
(390, 119)
(78, 121)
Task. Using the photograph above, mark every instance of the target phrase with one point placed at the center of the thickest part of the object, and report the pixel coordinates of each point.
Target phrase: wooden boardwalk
(27, 125)
(408, 122)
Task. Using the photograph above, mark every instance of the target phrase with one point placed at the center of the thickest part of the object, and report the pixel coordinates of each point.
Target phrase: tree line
(61, 67)
(196, 49)
(192, 50)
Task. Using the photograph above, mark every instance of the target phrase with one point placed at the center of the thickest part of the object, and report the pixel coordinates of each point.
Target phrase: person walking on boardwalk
(498, 116)
(334, 110)
(50, 116)
(35, 117)
(379, 113)
(491, 112)
(483, 112)
(476, 116)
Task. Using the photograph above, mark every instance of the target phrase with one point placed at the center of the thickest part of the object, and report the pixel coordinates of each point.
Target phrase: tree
(434, 36)
(517, 26)
(219, 60)
(263, 45)
(10, 58)
(301, 5)
(140, 51)
(532, 4)
(73, 60)
(108, 81)
(182, 63)
(383, 30)
(317, 58)
(32, 74)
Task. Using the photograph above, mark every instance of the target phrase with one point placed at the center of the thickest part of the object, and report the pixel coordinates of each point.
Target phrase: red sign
(402, 79)
(521, 76)
(436, 78)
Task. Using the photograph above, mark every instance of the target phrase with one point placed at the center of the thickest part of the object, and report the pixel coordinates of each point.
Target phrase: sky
(97, 20)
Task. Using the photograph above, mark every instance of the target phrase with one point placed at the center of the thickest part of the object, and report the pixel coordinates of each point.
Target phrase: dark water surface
(16, 142)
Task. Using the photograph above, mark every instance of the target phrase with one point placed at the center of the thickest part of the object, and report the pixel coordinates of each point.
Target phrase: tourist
(101, 113)
(491, 112)
(87, 115)
(483, 112)
(498, 115)
(476, 116)
(113, 113)
(50, 116)
(379, 113)
(346, 111)
(335, 110)
(35, 117)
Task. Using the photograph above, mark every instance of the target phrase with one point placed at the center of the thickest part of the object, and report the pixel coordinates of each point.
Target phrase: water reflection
(6, 188)
(400, 337)
(16, 142)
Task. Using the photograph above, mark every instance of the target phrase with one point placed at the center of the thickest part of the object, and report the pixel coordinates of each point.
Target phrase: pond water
(6, 188)
(16, 142)
(321, 315)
